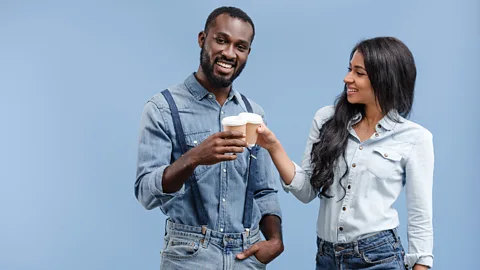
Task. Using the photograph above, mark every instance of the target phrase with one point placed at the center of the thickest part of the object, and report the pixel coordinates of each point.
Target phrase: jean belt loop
(166, 226)
(204, 229)
(395, 235)
(356, 248)
(245, 239)
(206, 238)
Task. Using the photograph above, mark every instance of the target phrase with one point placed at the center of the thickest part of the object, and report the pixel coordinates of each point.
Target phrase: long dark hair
(391, 69)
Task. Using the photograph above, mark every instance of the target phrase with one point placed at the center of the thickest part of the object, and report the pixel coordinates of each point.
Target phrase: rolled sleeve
(269, 204)
(154, 154)
(418, 258)
(418, 191)
(300, 186)
(155, 183)
(298, 180)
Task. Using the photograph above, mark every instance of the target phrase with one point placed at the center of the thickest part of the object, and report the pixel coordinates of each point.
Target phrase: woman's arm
(295, 179)
(418, 191)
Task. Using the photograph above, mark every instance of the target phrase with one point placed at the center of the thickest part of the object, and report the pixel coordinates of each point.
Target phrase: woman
(359, 155)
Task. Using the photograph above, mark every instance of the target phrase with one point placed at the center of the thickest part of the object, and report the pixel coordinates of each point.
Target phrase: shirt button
(223, 112)
(354, 165)
(341, 228)
(349, 187)
(223, 199)
(385, 155)
(221, 229)
(379, 126)
(344, 208)
(360, 147)
(195, 142)
(224, 170)
(210, 96)
(376, 134)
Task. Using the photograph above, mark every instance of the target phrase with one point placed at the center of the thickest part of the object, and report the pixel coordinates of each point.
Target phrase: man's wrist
(190, 161)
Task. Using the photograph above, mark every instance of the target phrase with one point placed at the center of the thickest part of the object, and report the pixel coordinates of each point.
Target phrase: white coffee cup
(253, 122)
(234, 123)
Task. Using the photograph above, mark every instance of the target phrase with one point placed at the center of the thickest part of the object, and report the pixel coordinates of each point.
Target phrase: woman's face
(359, 88)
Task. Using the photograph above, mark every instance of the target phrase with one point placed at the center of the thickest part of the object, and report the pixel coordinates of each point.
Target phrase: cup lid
(252, 118)
(233, 121)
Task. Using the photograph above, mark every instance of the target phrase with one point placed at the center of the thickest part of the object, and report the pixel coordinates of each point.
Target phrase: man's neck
(221, 93)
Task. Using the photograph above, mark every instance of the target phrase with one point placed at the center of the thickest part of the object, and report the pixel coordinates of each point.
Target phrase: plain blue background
(74, 76)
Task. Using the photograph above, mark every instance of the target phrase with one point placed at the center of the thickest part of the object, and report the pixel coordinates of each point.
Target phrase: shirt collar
(199, 92)
(387, 122)
(355, 119)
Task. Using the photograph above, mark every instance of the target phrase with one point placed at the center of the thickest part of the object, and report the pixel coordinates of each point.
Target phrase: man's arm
(156, 177)
(210, 151)
(270, 224)
(267, 251)
(154, 155)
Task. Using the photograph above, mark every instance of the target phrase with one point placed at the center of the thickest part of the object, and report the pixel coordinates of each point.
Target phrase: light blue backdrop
(74, 76)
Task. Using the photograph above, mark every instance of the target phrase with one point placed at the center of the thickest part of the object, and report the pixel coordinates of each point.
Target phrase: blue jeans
(186, 247)
(382, 251)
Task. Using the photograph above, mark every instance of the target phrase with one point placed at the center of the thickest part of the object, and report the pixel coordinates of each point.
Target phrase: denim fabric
(185, 247)
(382, 251)
(399, 154)
(222, 186)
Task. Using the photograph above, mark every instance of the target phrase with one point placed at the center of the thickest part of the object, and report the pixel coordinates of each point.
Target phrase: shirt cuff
(156, 187)
(418, 258)
(298, 180)
(269, 205)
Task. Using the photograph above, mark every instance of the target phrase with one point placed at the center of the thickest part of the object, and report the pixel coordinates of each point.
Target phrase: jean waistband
(361, 244)
(206, 235)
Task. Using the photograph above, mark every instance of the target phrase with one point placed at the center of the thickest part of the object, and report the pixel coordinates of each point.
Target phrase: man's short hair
(232, 12)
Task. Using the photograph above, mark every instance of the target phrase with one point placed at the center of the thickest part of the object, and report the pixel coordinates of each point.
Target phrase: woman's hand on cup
(266, 138)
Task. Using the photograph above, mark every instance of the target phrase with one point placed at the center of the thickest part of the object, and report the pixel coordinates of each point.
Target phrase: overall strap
(180, 135)
(247, 104)
(252, 178)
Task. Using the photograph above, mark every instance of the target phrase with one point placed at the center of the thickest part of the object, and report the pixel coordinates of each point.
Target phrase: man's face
(225, 50)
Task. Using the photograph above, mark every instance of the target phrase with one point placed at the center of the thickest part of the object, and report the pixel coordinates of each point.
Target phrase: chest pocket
(193, 139)
(385, 163)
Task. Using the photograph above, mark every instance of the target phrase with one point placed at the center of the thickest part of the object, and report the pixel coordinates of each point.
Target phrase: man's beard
(207, 67)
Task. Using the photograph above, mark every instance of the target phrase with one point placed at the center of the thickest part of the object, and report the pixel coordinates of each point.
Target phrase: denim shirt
(397, 155)
(222, 186)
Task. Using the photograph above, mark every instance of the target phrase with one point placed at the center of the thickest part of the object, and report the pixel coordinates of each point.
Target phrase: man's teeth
(225, 65)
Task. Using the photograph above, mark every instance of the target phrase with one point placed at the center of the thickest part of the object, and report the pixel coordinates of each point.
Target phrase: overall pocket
(181, 248)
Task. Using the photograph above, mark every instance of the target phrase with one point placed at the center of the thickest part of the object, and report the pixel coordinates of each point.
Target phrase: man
(216, 202)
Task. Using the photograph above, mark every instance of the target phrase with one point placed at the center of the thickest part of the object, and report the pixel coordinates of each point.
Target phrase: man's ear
(201, 38)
